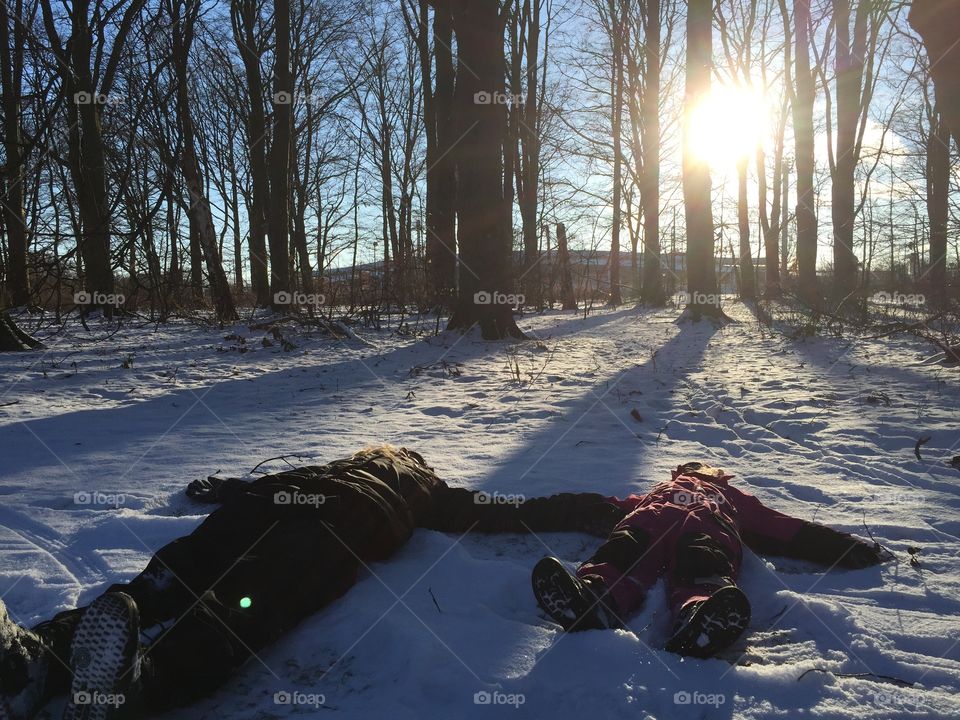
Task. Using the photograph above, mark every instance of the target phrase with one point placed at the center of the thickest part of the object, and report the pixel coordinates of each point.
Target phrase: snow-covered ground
(98, 440)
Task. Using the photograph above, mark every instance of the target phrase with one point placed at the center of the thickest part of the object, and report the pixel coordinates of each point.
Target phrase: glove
(862, 555)
(827, 546)
(600, 519)
(206, 490)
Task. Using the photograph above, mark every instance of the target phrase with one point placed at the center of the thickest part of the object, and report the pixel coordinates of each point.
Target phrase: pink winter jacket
(708, 503)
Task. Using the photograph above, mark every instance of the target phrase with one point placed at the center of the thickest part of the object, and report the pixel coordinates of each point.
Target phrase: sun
(728, 125)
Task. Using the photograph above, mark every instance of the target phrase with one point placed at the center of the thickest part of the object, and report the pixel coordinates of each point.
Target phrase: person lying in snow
(691, 530)
(277, 550)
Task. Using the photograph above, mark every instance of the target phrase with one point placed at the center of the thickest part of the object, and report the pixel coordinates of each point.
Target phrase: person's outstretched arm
(459, 509)
(769, 532)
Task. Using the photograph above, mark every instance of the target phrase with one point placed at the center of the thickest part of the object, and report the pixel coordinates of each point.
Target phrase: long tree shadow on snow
(599, 446)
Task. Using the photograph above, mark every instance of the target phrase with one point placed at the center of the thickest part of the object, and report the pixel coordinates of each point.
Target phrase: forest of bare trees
(470, 157)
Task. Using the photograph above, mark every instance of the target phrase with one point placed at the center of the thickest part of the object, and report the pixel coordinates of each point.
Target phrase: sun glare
(728, 126)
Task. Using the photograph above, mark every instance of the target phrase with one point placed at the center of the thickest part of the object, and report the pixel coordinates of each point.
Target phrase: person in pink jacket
(691, 530)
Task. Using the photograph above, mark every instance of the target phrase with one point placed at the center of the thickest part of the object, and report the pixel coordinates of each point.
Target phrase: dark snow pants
(211, 600)
(696, 560)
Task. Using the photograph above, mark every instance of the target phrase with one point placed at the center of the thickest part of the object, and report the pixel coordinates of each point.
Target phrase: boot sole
(715, 625)
(559, 594)
(104, 658)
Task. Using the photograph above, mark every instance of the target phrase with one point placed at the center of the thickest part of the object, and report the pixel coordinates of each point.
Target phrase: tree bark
(279, 214)
(182, 29)
(244, 21)
(567, 296)
(938, 23)
(697, 195)
(617, 32)
(807, 230)
(12, 174)
(442, 225)
(484, 218)
(653, 291)
(938, 200)
(13, 339)
(849, 71)
(748, 286)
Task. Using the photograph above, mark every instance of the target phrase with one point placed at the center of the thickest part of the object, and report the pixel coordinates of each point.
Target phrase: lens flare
(728, 125)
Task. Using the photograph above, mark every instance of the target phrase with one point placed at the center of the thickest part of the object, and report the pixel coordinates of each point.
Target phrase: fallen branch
(866, 676)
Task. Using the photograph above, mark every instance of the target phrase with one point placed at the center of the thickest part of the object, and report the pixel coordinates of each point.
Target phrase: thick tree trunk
(653, 291)
(442, 253)
(567, 296)
(13, 339)
(199, 207)
(244, 16)
(529, 157)
(849, 71)
(697, 197)
(279, 214)
(938, 23)
(12, 174)
(938, 200)
(803, 132)
(617, 32)
(484, 219)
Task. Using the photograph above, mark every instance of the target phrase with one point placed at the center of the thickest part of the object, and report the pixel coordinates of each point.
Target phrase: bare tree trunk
(484, 219)
(529, 158)
(653, 291)
(199, 207)
(748, 286)
(443, 255)
(279, 214)
(849, 71)
(235, 217)
(617, 31)
(567, 296)
(75, 60)
(244, 21)
(803, 132)
(938, 199)
(12, 174)
(938, 23)
(697, 195)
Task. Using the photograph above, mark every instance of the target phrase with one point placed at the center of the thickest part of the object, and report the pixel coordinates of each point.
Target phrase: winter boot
(574, 603)
(104, 659)
(704, 627)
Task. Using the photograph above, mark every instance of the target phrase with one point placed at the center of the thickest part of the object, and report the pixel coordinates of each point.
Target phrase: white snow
(95, 457)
